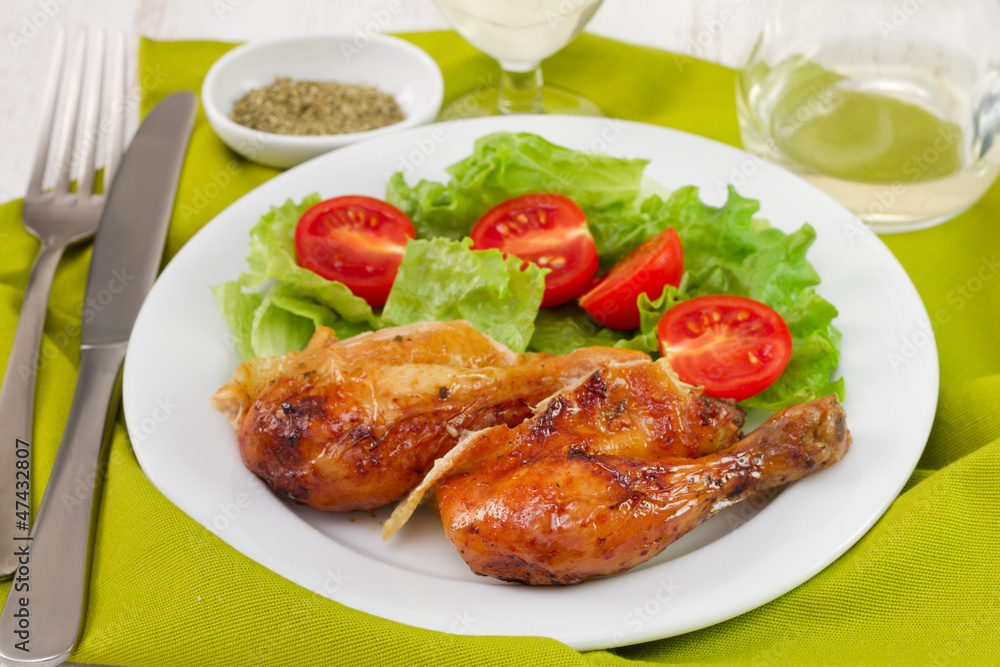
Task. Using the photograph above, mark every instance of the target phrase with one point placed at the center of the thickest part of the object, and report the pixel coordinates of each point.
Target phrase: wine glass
(519, 34)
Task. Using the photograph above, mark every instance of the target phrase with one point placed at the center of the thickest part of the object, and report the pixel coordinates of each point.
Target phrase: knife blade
(43, 614)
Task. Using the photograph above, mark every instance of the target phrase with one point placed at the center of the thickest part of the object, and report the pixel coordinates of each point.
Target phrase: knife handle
(17, 401)
(42, 617)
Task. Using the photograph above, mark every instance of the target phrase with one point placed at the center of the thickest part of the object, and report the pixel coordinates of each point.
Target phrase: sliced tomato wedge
(732, 346)
(550, 231)
(356, 240)
(656, 263)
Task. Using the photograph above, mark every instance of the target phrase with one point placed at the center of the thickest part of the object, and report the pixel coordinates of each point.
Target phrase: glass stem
(520, 88)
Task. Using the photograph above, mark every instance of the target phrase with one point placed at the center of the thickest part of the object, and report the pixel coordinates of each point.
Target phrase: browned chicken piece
(559, 499)
(356, 424)
(636, 408)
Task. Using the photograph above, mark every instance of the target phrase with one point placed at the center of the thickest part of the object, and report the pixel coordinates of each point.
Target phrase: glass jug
(891, 107)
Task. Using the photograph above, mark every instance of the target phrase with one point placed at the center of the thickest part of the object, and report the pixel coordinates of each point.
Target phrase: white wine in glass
(519, 34)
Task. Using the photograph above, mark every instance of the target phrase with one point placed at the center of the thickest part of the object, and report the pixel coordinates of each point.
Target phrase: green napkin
(921, 587)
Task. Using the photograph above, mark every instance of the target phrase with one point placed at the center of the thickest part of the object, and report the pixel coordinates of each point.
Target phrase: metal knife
(43, 614)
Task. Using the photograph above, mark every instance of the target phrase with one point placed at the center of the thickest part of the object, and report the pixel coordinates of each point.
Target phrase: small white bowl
(388, 63)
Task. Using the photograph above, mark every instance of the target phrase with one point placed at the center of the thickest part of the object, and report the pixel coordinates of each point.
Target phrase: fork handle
(53, 584)
(17, 400)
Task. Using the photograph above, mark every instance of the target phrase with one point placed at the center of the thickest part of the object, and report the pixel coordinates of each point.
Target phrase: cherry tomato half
(548, 230)
(356, 240)
(732, 346)
(656, 263)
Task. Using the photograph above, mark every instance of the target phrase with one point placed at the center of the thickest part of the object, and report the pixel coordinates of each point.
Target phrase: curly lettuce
(508, 164)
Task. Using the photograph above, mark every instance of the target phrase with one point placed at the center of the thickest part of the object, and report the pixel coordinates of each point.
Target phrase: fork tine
(116, 137)
(48, 114)
(67, 134)
(91, 131)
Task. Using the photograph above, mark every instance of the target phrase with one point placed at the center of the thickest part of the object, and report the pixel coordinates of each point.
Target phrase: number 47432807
(23, 482)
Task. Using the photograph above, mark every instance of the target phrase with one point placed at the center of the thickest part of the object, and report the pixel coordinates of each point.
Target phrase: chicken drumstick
(559, 499)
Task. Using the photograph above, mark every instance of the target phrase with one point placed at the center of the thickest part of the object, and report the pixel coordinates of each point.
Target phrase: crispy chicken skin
(355, 424)
(637, 408)
(564, 497)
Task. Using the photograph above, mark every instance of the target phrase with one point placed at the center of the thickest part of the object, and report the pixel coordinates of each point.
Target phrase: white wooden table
(719, 30)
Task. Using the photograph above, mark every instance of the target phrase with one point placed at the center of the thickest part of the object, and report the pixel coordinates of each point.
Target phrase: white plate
(181, 352)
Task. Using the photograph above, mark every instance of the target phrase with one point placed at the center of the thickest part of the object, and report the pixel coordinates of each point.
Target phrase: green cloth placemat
(921, 587)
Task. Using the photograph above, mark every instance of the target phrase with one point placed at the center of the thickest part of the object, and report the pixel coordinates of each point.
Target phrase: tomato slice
(732, 346)
(546, 229)
(656, 263)
(356, 240)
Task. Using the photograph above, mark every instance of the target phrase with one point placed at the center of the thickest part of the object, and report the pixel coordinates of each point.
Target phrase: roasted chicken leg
(355, 424)
(603, 479)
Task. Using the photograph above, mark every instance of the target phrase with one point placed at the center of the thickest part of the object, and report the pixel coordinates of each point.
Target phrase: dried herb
(316, 107)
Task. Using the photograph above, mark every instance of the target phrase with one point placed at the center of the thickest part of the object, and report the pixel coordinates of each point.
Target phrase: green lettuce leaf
(272, 256)
(280, 319)
(446, 280)
(285, 321)
(565, 328)
(618, 230)
(237, 309)
(505, 165)
(433, 207)
(650, 312)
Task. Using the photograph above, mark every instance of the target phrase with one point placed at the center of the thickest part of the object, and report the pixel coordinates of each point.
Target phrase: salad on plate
(547, 249)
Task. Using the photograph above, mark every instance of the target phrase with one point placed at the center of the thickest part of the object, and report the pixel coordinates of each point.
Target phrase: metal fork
(58, 217)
